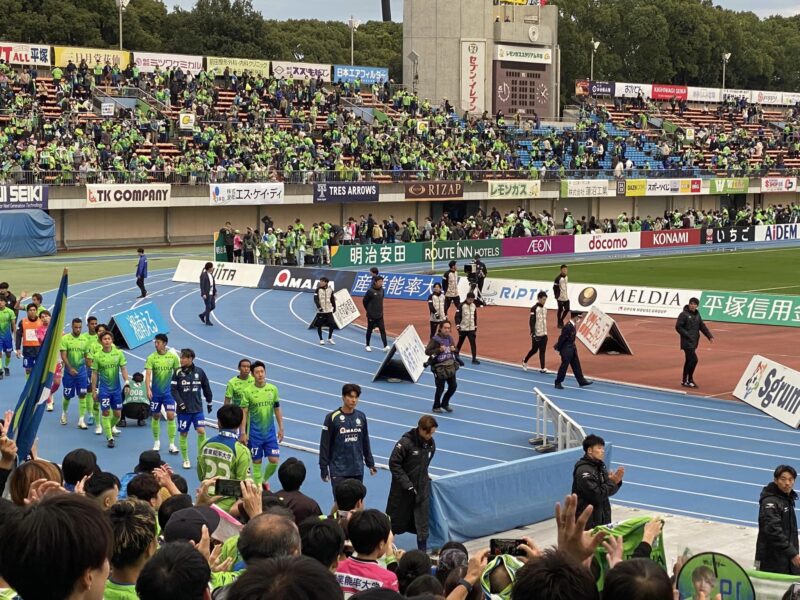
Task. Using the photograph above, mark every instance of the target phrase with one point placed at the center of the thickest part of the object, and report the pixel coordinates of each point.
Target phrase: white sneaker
(82, 423)
(187, 464)
(157, 445)
(49, 407)
(98, 430)
(387, 348)
(543, 371)
(63, 418)
(115, 431)
(368, 349)
(524, 366)
(331, 342)
(322, 342)
(173, 449)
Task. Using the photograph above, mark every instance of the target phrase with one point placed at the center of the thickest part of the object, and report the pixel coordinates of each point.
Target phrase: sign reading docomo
(514, 189)
(120, 196)
(238, 65)
(63, 54)
(434, 190)
(772, 388)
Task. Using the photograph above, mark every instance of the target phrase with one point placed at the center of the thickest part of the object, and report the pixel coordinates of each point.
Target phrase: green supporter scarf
(510, 564)
(631, 532)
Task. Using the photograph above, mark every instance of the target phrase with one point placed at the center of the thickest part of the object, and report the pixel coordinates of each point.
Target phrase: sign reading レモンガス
(514, 189)
(104, 195)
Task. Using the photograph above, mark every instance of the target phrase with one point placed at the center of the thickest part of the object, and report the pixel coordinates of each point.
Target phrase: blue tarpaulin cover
(26, 233)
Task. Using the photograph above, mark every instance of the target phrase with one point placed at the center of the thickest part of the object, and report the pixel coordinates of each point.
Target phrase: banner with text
(772, 388)
(303, 279)
(535, 246)
(729, 185)
(771, 233)
(661, 91)
(63, 54)
(237, 65)
(224, 194)
(148, 62)
(461, 250)
(607, 242)
(137, 326)
(15, 197)
(663, 187)
(778, 184)
(346, 310)
(728, 235)
(225, 273)
(298, 70)
(345, 192)
(586, 188)
(103, 195)
(376, 254)
(523, 54)
(398, 286)
(367, 75)
(514, 189)
(758, 309)
(24, 54)
(473, 83)
(434, 190)
(670, 237)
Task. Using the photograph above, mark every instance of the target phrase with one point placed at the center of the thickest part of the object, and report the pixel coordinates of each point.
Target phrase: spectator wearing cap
(292, 474)
(149, 460)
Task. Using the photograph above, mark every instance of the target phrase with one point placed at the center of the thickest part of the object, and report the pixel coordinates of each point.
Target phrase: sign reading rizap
(514, 189)
(729, 185)
(759, 309)
(377, 254)
(103, 195)
(772, 388)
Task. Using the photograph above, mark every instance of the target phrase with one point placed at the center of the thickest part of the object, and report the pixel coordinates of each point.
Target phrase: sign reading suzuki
(103, 195)
(772, 388)
(607, 242)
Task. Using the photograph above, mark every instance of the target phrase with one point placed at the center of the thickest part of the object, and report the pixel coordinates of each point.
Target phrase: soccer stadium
(516, 283)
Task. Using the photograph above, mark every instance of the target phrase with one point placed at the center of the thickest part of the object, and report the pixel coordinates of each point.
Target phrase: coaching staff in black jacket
(565, 346)
(593, 483)
(776, 546)
(689, 325)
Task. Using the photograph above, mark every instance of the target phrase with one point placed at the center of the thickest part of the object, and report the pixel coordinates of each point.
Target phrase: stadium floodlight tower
(353, 23)
(121, 5)
(726, 56)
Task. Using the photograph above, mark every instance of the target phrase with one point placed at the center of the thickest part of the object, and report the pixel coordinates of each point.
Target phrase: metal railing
(555, 429)
(206, 176)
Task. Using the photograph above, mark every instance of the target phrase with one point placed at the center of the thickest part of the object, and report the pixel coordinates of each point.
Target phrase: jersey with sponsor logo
(261, 403)
(8, 320)
(108, 366)
(236, 388)
(225, 457)
(163, 367)
(76, 348)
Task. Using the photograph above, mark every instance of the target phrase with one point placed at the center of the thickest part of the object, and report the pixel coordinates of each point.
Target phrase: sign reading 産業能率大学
(773, 388)
(104, 195)
(221, 194)
(758, 309)
(399, 286)
(15, 197)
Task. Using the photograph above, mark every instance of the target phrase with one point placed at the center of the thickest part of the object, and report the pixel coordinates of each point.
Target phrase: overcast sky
(367, 10)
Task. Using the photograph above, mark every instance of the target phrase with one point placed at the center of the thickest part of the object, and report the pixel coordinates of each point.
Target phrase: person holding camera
(444, 362)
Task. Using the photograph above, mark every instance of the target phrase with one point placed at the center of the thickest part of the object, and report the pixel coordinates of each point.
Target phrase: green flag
(631, 531)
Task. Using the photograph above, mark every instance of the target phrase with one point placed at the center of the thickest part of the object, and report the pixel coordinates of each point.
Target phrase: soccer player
(189, 386)
(160, 366)
(223, 455)
(93, 416)
(8, 322)
(263, 408)
(74, 350)
(106, 389)
(234, 392)
(28, 345)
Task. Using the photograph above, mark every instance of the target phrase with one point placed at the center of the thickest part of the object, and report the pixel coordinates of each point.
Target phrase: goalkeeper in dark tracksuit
(344, 446)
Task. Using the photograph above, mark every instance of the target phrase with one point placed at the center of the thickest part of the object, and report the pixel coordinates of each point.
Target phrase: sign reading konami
(673, 237)
(607, 242)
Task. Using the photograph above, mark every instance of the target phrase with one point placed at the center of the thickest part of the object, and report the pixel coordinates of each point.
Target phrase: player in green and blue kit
(223, 455)
(8, 322)
(234, 392)
(93, 338)
(263, 408)
(106, 389)
(74, 349)
(159, 369)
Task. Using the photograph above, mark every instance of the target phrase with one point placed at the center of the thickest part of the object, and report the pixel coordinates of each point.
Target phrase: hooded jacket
(409, 494)
(689, 325)
(777, 543)
(591, 483)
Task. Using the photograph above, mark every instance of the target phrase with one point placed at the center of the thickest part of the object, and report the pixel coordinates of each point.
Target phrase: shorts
(264, 447)
(110, 400)
(29, 356)
(187, 419)
(6, 344)
(159, 400)
(76, 385)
